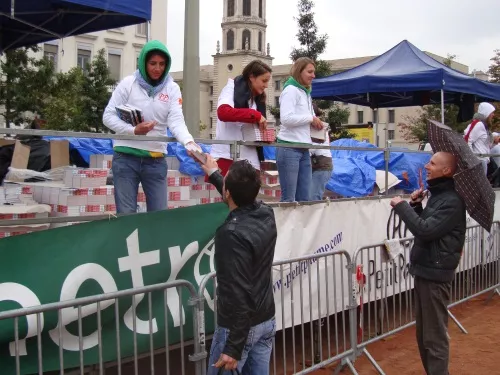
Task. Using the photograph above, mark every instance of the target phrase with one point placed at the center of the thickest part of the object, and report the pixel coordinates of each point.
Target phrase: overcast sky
(468, 29)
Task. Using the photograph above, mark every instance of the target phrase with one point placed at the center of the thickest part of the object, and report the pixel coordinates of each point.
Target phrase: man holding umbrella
(439, 232)
(457, 182)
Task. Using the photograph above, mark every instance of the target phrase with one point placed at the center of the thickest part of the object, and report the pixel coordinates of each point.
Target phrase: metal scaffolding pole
(191, 74)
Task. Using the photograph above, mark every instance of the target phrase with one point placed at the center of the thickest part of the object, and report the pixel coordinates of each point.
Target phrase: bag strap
(472, 125)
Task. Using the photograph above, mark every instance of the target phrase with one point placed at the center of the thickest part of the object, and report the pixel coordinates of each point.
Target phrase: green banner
(103, 257)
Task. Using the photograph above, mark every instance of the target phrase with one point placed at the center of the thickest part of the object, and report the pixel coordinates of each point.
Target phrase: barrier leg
(492, 294)
(345, 362)
(349, 363)
(457, 322)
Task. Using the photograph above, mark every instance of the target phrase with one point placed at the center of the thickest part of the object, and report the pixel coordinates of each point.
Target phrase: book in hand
(319, 136)
(130, 114)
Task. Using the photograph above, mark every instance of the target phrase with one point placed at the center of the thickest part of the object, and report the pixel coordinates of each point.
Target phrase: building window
(50, 52)
(211, 105)
(142, 29)
(392, 116)
(230, 8)
(115, 64)
(277, 101)
(390, 134)
(246, 39)
(277, 84)
(83, 59)
(375, 116)
(260, 8)
(260, 41)
(247, 8)
(230, 40)
(360, 117)
(211, 90)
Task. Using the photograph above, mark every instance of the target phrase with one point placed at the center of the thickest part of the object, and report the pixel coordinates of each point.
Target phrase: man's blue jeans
(319, 181)
(256, 355)
(129, 171)
(295, 174)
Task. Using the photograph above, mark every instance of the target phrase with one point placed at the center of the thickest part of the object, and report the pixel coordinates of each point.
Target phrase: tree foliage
(75, 100)
(96, 92)
(494, 70)
(24, 81)
(312, 44)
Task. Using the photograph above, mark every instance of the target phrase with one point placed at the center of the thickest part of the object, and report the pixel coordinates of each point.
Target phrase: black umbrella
(470, 179)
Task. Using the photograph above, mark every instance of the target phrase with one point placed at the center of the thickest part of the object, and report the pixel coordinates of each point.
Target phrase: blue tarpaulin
(351, 177)
(31, 22)
(403, 76)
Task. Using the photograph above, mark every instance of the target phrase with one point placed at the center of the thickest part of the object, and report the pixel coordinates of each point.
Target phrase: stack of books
(129, 114)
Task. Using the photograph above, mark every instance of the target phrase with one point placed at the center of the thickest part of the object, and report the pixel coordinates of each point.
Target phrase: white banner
(309, 289)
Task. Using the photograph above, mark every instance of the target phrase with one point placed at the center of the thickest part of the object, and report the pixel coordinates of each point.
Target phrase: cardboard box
(269, 179)
(178, 193)
(6, 142)
(200, 194)
(85, 178)
(21, 156)
(173, 163)
(59, 153)
(101, 161)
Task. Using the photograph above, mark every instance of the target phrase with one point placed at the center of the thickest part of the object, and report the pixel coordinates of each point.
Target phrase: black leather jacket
(244, 253)
(439, 231)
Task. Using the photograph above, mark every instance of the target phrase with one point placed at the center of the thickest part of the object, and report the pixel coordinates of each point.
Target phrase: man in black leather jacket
(244, 252)
(439, 232)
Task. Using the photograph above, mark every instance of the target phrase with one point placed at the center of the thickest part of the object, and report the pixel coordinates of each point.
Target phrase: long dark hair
(256, 68)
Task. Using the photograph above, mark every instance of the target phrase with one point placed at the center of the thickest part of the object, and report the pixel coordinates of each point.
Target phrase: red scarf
(473, 123)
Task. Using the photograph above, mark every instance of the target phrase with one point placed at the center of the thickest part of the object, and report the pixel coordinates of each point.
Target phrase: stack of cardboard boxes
(270, 188)
(83, 192)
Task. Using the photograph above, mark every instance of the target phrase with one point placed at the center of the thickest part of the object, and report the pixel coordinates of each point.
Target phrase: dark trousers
(431, 300)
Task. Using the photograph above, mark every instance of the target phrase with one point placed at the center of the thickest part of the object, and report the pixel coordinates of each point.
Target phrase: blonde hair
(298, 67)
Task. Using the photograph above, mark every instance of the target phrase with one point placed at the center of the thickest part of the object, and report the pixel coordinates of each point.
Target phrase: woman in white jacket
(242, 101)
(154, 92)
(296, 117)
(476, 134)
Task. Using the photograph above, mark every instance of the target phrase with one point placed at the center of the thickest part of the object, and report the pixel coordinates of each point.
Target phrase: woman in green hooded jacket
(154, 92)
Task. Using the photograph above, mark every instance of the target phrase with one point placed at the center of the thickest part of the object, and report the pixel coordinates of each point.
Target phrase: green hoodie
(292, 82)
(154, 45)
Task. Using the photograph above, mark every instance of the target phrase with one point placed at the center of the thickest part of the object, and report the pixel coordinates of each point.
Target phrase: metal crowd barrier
(327, 311)
(137, 363)
(314, 312)
(386, 304)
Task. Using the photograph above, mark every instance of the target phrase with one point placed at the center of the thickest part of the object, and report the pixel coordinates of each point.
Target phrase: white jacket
(165, 108)
(479, 140)
(231, 131)
(296, 115)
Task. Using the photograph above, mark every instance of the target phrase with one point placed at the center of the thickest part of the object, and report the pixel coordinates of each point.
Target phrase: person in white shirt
(297, 117)
(242, 101)
(152, 90)
(476, 134)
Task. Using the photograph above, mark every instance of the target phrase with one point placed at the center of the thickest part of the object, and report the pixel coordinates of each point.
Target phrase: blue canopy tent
(28, 22)
(404, 76)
